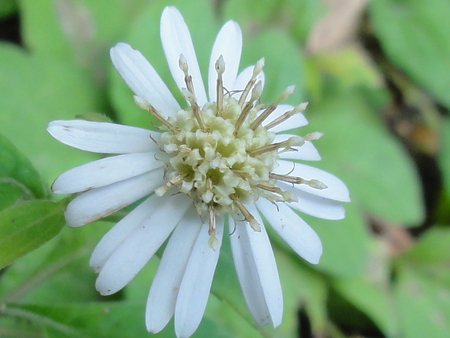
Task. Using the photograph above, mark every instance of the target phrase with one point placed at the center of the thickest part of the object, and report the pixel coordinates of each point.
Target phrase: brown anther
(313, 183)
(248, 216)
(297, 109)
(144, 104)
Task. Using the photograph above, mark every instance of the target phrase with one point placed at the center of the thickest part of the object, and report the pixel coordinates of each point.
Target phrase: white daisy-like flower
(222, 159)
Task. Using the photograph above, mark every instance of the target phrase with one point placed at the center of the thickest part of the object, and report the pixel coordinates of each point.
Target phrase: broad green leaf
(255, 15)
(18, 177)
(346, 243)
(46, 275)
(414, 34)
(12, 192)
(422, 304)
(77, 32)
(357, 148)
(36, 90)
(27, 226)
(303, 288)
(7, 7)
(82, 320)
(430, 255)
(372, 300)
(144, 35)
(98, 320)
(283, 64)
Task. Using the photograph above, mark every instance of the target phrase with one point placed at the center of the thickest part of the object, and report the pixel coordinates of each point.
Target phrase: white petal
(176, 40)
(141, 244)
(97, 203)
(166, 283)
(142, 79)
(295, 121)
(247, 273)
(228, 44)
(306, 152)
(117, 234)
(243, 78)
(294, 230)
(315, 205)
(105, 171)
(336, 189)
(196, 283)
(266, 267)
(103, 137)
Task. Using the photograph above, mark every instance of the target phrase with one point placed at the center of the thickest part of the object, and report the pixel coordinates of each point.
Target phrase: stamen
(144, 104)
(256, 93)
(173, 182)
(297, 109)
(187, 78)
(212, 241)
(313, 136)
(287, 196)
(256, 70)
(248, 216)
(195, 108)
(291, 141)
(284, 95)
(220, 69)
(313, 183)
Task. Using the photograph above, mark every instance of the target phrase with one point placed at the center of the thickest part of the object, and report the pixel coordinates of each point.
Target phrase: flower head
(218, 160)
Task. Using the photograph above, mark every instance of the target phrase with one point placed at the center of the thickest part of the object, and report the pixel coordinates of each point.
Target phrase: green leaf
(422, 303)
(373, 300)
(283, 64)
(18, 178)
(77, 32)
(346, 243)
(303, 288)
(357, 148)
(256, 15)
(414, 35)
(82, 320)
(7, 7)
(27, 226)
(430, 255)
(36, 90)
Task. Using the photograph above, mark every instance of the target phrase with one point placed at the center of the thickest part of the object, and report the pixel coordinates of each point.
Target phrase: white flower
(217, 161)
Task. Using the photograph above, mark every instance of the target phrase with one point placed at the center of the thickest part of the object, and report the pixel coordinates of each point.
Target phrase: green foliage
(414, 34)
(63, 71)
(366, 157)
(27, 226)
(19, 180)
(7, 7)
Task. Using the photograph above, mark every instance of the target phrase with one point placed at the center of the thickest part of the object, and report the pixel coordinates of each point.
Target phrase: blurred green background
(377, 77)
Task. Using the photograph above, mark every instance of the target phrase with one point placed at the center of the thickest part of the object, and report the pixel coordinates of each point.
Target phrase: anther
(173, 182)
(190, 97)
(287, 196)
(313, 183)
(144, 104)
(287, 144)
(297, 109)
(269, 110)
(256, 93)
(212, 241)
(256, 70)
(248, 216)
(313, 136)
(220, 69)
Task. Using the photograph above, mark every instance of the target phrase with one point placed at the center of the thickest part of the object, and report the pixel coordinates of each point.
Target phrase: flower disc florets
(219, 164)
